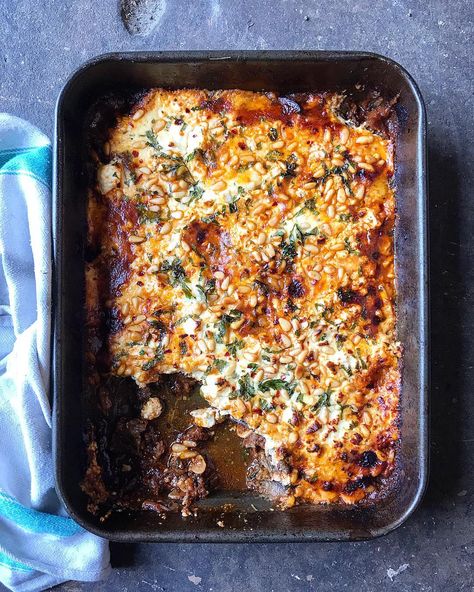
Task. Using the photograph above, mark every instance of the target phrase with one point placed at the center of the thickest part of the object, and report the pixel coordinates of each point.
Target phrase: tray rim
(219, 535)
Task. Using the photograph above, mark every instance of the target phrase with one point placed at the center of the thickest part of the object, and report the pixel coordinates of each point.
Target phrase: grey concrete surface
(42, 43)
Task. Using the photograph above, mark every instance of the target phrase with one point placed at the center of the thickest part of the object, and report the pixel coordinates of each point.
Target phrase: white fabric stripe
(26, 467)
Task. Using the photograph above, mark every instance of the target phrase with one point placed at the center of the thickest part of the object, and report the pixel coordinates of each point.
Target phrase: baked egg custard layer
(246, 241)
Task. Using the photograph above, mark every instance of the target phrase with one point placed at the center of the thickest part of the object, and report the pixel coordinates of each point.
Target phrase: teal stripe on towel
(35, 521)
(36, 163)
(6, 155)
(10, 563)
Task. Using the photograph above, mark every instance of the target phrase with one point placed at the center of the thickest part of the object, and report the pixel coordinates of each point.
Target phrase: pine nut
(177, 447)
(219, 186)
(158, 201)
(159, 125)
(364, 140)
(344, 135)
(285, 324)
(197, 465)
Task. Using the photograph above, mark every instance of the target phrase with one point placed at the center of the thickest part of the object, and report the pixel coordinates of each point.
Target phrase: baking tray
(250, 518)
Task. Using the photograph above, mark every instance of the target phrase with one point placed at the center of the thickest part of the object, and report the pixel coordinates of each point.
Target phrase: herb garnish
(273, 134)
(177, 275)
(276, 384)
(224, 322)
(196, 192)
(290, 165)
(265, 405)
(299, 236)
(274, 155)
(152, 140)
(159, 354)
(246, 387)
(348, 247)
(146, 215)
(310, 205)
(220, 364)
(324, 401)
(234, 347)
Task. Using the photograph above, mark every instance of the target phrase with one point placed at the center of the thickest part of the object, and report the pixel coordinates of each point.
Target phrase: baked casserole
(243, 242)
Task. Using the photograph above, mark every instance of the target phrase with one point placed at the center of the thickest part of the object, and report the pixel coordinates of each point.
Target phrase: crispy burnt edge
(360, 105)
(383, 115)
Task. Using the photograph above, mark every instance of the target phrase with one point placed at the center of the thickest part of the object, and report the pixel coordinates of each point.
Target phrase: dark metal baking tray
(250, 518)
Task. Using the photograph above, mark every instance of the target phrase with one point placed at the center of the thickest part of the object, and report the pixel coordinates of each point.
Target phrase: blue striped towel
(40, 546)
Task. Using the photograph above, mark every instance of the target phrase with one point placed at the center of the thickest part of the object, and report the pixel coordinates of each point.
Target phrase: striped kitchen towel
(40, 546)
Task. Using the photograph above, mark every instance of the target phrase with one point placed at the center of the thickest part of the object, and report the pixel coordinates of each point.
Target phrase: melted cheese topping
(246, 240)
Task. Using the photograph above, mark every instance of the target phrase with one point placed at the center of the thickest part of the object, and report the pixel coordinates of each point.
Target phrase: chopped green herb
(288, 251)
(265, 405)
(349, 248)
(233, 207)
(291, 165)
(220, 364)
(152, 140)
(191, 155)
(234, 347)
(276, 383)
(274, 155)
(224, 322)
(274, 351)
(146, 215)
(347, 369)
(273, 134)
(246, 387)
(159, 354)
(324, 401)
(177, 275)
(361, 363)
(309, 205)
(345, 217)
(196, 192)
(185, 318)
(262, 287)
(299, 236)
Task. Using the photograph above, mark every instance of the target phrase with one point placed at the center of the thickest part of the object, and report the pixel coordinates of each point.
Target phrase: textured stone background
(41, 43)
